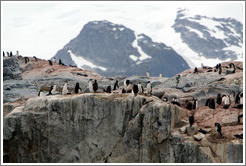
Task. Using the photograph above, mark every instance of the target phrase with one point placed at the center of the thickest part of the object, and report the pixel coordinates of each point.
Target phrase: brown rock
(230, 120)
(199, 136)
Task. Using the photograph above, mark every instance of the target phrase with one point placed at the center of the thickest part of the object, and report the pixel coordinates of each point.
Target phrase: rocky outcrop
(104, 127)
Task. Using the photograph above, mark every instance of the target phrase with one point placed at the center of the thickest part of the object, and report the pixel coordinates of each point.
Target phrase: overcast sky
(42, 28)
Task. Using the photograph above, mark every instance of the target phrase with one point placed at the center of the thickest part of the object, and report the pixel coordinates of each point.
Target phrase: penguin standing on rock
(149, 88)
(126, 83)
(41, 93)
(135, 89)
(90, 84)
(219, 99)
(116, 85)
(77, 88)
(64, 89)
(53, 91)
(108, 90)
(140, 88)
(95, 86)
(191, 120)
(218, 128)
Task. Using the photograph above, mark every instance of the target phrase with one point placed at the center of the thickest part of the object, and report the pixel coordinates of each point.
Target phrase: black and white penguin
(195, 70)
(54, 60)
(126, 83)
(140, 88)
(17, 54)
(60, 62)
(108, 89)
(35, 58)
(210, 103)
(219, 99)
(226, 101)
(210, 70)
(116, 85)
(90, 85)
(149, 88)
(7, 54)
(95, 86)
(231, 65)
(53, 91)
(191, 120)
(241, 98)
(26, 59)
(3, 54)
(237, 98)
(135, 89)
(202, 131)
(50, 62)
(41, 93)
(11, 54)
(218, 128)
(175, 102)
(50, 92)
(231, 71)
(232, 97)
(123, 90)
(220, 70)
(64, 89)
(195, 104)
(239, 117)
(77, 89)
(165, 99)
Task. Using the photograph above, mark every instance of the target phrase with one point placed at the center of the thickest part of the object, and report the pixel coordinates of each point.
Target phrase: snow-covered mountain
(111, 49)
(211, 39)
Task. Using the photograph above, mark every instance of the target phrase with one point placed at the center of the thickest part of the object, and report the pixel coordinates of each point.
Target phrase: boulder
(183, 129)
(199, 137)
(230, 120)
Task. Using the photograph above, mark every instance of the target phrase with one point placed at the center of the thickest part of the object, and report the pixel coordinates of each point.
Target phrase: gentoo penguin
(116, 85)
(51, 88)
(195, 104)
(7, 54)
(165, 99)
(140, 88)
(17, 54)
(175, 102)
(11, 54)
(210, 103)
(239, 117)
(41, 93)
(35, 58)
(108, 90)
(123, 90)
(149, 88)
(231, 65)
(50, 63)
(77, 88)
(129, 87)
(188, 105)
(231, 71)
(202, 131)
(126, 83)
(53, 91)
(195, 70)
(90, 84)
(241, 98)
(135, 89)
(237, 98)
(191, 120)
(95, 86)
(220, 70)
(226, 100)
(218, 127)
(54, 60)
(26, 59)
(64, 89)
(219, 99)
(232, 97)
(60, 62)
(3, 54)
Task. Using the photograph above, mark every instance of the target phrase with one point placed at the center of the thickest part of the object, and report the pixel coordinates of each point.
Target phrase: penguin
(53, 90)
(129, 87)
(140, 88)
(177, 79)
(17, 54)
(53, 60)
(191, 120)
(41, 93)
(188, 105)
(241, 98)
(165, 99)
(237, 98)
(26, 59)
(195, 70)
(60, 62)
(116, 85)
(239, 117)
(217, 66)
(90, 84)
(202, 131)
(219, 99)
(218, 128)
(211, 104)
(126, 83)
(195, 104)
(149, 88)
(210, 70)
(231, 65)
(220, 70)
(231, 71)
(232, 97)
(35, 58)
(7, 54)
(77, 88)
(108, 90)
(50, 62)
(123, 90)
(11, 54)
(239, 136)
(226, 102)
(3, 54)
(95, 86)
(135, 89)
(175, 102)
(64, 89)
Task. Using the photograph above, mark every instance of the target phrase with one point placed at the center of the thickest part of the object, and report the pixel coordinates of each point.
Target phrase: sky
(40, 29)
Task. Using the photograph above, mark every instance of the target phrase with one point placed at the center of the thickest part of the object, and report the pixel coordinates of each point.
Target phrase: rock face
(120, 51)
(103, 128)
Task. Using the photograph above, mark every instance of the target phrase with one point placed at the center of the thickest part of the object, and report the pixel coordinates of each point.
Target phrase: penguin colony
(129, 87)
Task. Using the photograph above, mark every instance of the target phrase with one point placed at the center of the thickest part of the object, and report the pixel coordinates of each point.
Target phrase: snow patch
(133, 57)
(143, 55)
(121, 29)
(80, 61)
(200, 34)
(114, 29)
